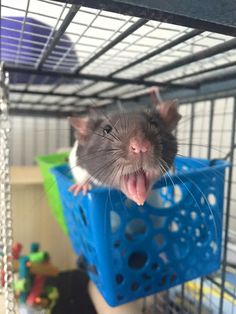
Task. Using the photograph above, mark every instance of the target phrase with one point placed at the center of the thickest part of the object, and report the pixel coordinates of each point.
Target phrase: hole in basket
(115, 221)
(213, 246)
(157, 221)
(160, 240)
(207, 256)
(137, 260)
(197, 232)
(184, 168)
(146, 276)
(193, 215)
(120, 297)
(173, 277)
(155, 198)
(174, 225)
(155, 266)
(211, 217)
(203, 215)
(147, 288)
(164, 258)
(181, 248)
(163, 280)
(164, 190)
(204, 233)
(117, 244)
(83, 215)
(177, 194)
(167, 204)
(202, 200)
(134, 286)
(135, 229)
(183, 212)
(211, 199)
(119, 278)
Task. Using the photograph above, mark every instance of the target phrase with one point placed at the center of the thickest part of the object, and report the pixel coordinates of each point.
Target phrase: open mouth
(136, 185)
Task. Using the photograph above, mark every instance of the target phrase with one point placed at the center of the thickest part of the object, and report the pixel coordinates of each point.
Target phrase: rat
(128, 151)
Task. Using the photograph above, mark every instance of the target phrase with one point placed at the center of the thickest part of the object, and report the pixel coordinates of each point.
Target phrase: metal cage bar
(6, 232)
(157, 51)
(228, 208)
(215, 16)
(95, 77)
(118, 39)
(58, 34)
(231, 44)
(209, 157)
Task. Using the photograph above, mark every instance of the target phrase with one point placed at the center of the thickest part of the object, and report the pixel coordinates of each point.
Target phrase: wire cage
(65, 57)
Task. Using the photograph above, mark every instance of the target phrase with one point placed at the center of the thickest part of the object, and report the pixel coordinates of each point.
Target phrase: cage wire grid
(111, 54)
(100, 58)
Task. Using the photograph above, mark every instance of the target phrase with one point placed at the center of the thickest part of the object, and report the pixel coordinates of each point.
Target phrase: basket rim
(217, 166)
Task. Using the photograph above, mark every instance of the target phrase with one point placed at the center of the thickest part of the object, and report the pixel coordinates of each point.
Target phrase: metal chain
(6, 233)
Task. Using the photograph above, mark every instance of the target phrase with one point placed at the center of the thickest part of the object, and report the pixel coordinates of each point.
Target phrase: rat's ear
(92, 112)
(81, 126)
(169, 113)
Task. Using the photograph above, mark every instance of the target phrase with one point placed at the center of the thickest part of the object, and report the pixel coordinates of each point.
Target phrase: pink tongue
(135, 187)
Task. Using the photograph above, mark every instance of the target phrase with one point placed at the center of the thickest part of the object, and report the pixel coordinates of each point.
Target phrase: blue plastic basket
(133, 251)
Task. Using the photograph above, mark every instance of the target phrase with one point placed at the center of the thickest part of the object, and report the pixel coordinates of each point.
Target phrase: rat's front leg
(77, 187)
(81, 176)
(82, 180)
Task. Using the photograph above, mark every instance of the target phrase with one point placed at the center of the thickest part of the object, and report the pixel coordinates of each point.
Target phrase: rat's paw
(76, 188)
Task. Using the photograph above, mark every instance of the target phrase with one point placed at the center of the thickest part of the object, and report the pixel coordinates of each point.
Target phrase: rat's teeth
(140, 203)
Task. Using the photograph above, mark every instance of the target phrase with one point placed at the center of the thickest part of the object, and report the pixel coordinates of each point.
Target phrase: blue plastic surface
(133, 251)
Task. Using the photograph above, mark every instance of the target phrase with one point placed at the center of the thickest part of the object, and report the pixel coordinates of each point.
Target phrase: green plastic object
(38, 257)
(21, 285)
(46, 163)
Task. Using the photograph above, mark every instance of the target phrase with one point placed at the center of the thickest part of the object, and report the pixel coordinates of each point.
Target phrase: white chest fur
(80, 174)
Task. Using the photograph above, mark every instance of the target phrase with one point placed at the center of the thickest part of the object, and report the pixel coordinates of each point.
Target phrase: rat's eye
(107, 129)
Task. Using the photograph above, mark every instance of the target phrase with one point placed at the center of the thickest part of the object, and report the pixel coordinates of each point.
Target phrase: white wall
(31, 137)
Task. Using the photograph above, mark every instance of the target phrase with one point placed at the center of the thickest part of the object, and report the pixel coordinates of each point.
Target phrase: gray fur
(106, 157)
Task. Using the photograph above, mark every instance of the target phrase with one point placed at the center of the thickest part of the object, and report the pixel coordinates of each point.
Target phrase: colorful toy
(33, 269)
(16, 249)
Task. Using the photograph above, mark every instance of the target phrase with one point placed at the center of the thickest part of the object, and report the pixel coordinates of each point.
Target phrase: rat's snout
(137, 145)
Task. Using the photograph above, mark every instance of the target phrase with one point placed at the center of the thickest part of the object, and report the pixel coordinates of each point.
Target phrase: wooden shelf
(20, 175)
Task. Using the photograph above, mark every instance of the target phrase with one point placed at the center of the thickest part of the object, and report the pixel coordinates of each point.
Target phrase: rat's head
(128, 151)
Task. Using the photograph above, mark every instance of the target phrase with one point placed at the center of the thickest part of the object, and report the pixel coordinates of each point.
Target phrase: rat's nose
(138, 146)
